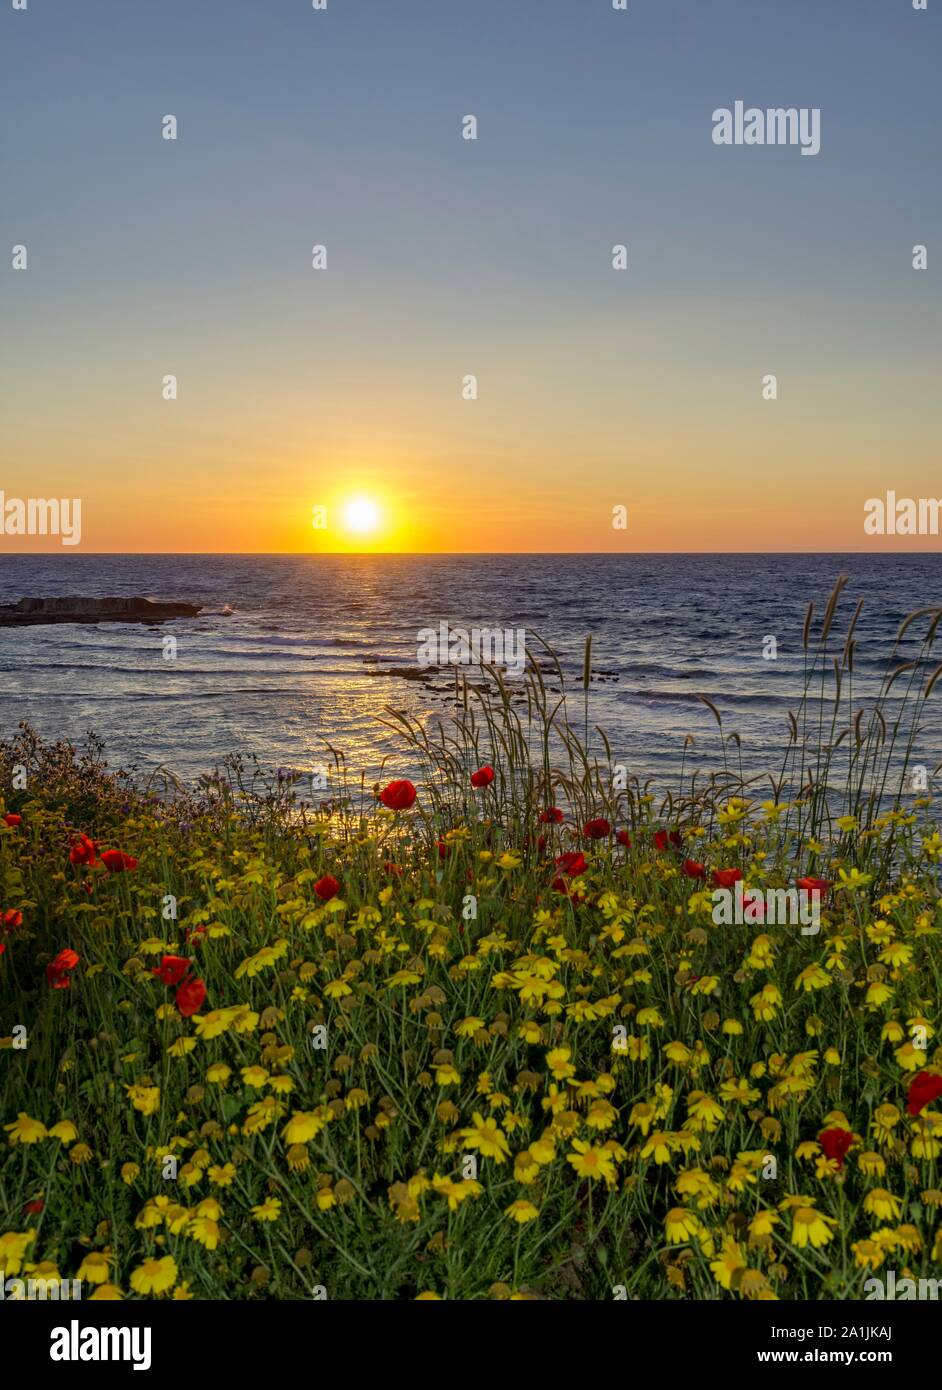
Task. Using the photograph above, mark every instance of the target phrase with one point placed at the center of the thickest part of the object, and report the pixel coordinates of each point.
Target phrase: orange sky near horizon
(685, 442)
(695, 489)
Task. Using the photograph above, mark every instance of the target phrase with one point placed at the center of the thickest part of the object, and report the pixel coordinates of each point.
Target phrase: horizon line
(434, 554)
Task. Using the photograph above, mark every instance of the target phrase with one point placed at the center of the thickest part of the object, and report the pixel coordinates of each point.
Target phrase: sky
(302, 389)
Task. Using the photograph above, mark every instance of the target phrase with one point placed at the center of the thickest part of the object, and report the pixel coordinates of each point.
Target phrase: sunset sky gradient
(445, 257)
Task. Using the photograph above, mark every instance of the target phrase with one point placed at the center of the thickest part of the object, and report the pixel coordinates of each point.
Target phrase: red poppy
(571, 864)
(190, 996)
(83, 851)
(11, 918)
(756, 906)
(483, 777)
(541, 843)
(725, 878)
(443, 849)
(835, 1143)
(116, 861)
(551, 816)
(664, 837)
(390, 868)
(57, 971)
(597, 829)
(34, 1207)
(692, 869)
(171, 970)
(398, 796)
(923, 1089)
(13, 819)
(2, 948)
(814, 885)
(327, 888)
(624, 838)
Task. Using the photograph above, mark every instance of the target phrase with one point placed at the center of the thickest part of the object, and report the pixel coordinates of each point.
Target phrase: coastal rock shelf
(71, 609)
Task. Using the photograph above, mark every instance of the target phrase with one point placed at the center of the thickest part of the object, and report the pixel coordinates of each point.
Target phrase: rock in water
(73, 609)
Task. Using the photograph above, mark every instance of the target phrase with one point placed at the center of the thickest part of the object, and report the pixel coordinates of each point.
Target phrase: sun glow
(361, 515)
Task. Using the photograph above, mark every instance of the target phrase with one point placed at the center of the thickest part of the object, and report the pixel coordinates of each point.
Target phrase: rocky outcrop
(72, 609)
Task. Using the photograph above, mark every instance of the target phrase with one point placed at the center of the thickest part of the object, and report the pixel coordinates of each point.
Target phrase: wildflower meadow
(478, 1031)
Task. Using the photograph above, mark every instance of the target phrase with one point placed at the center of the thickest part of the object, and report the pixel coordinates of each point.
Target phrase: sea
(292, 655)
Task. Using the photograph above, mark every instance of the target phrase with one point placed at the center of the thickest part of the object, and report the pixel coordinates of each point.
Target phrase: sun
(362, 515)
